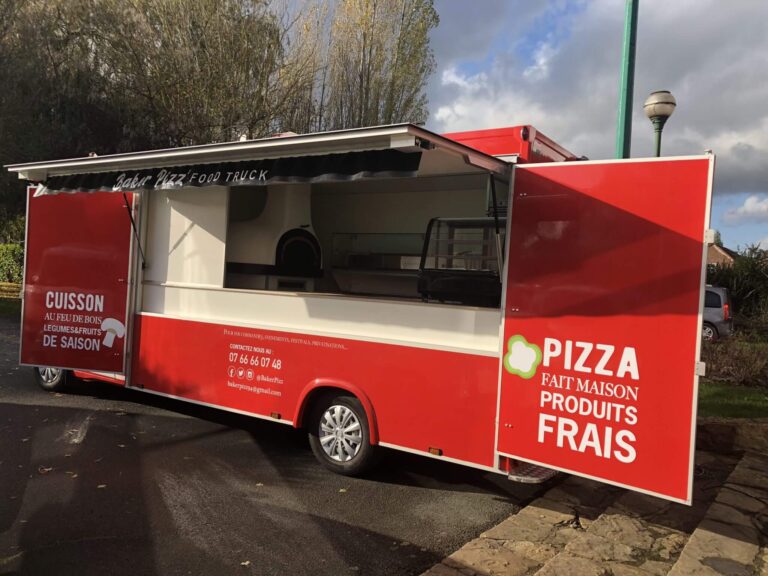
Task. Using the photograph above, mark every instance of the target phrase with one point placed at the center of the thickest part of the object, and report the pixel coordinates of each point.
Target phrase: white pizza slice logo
(522, 358)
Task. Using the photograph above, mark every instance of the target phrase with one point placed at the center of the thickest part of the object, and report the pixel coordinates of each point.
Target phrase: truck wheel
(709, 332)
(340, 437)
(50, 379)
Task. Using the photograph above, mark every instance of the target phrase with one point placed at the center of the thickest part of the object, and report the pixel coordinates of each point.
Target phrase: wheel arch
(323, 386)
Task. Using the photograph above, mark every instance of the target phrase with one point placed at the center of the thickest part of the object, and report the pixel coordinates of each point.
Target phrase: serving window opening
(430, 239)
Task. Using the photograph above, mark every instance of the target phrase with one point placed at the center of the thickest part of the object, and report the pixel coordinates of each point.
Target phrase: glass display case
(461, 260)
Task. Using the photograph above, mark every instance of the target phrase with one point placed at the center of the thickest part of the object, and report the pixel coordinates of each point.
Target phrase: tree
(304, 72)
(205, 77)
(747, 282)
(375, 65)
(122, 75)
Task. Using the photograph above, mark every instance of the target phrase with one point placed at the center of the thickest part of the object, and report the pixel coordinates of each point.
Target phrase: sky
(555, 65)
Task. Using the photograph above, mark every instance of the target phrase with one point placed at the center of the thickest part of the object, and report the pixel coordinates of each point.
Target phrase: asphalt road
(104, 480)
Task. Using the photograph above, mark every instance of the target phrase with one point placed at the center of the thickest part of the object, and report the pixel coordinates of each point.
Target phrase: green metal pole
(626, 87)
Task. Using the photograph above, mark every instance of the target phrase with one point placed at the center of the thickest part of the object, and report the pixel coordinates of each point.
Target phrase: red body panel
(525, 141)
(422, 398)
(606, 257)
(87, 375)
(77, 257)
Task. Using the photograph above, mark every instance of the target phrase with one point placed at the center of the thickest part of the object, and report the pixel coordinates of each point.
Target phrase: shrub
(753, 327)
(747, 283)
(12, 229)
(11, 263)
(746, 280)
(738, 360)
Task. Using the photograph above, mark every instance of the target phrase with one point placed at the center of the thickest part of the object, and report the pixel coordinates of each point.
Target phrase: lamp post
(659, 107)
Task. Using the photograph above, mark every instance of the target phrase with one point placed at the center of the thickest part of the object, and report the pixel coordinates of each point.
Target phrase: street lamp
(659, 107)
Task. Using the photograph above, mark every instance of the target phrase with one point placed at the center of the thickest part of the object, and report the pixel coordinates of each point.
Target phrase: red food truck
(485, 298)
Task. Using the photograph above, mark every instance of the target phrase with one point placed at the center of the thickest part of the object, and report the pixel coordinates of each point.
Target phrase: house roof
(720, 255)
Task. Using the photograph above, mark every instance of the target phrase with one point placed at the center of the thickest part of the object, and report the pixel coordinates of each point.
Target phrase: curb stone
(584, 528)
(731, 540)
(729, 435)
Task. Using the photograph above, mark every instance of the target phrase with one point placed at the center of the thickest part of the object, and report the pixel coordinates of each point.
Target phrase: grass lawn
(10, 308)
(727, 401)
(10, 304)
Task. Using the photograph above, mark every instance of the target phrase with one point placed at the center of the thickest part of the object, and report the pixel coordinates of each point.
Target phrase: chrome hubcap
(340, 433)
(49, 375)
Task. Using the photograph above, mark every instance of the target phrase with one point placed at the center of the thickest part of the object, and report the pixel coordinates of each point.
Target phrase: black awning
(322, 168)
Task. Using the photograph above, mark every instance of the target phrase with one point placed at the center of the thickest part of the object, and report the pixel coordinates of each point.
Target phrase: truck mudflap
(76, 278)
(602, 320)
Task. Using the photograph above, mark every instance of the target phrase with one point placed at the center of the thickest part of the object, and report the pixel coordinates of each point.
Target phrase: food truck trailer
(485, 298)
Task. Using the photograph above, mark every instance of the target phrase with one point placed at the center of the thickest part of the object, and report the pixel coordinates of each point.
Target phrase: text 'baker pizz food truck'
(478, 297)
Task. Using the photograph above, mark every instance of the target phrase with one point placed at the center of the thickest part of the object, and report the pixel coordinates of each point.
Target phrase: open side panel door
(76, 275)
(602, 320)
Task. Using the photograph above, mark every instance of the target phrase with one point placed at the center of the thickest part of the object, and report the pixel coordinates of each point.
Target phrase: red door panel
(76, 281)
(602, 320)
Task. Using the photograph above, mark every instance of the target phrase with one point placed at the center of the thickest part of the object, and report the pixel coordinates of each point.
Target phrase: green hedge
(11, 263)
(746, 280)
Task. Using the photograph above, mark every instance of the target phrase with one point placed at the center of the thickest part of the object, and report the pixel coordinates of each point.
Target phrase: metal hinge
(701, 368)
(709, 236)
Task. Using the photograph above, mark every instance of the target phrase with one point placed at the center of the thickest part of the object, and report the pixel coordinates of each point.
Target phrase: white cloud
(566, 83)
(763, 243)
(480, 103)
(451, 77)
(754, 209)
(539, 70)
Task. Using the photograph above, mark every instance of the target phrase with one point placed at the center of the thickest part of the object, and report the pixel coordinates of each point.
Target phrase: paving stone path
(583, 528)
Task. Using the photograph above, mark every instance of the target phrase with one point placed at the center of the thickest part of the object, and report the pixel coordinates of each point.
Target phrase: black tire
(340, 460)
(709, 332)
(50, 379)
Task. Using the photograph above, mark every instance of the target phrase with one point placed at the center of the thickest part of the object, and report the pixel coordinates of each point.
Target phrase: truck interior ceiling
(430, 238)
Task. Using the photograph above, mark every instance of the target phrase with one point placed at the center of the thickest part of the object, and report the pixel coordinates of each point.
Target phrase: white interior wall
(393, 206)
(186, 235)
(255, 241)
